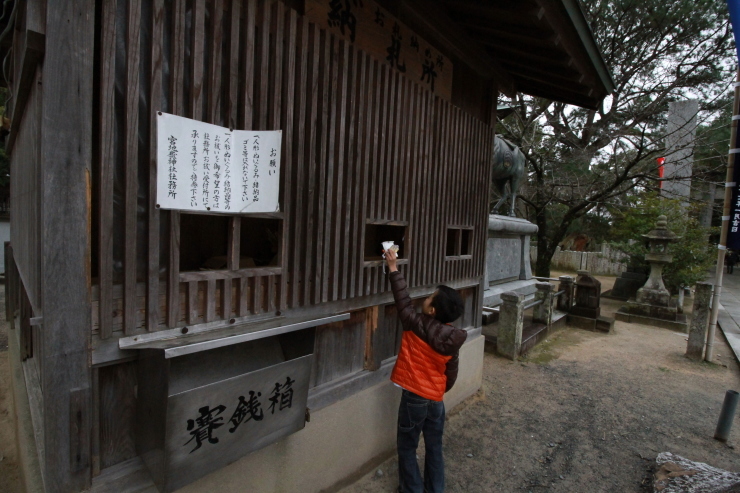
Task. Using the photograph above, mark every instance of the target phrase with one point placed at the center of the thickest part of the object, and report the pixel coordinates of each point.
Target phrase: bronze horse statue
(509, 166)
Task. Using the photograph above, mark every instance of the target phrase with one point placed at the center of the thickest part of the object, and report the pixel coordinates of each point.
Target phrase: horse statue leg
(514, 182)
(503, 191)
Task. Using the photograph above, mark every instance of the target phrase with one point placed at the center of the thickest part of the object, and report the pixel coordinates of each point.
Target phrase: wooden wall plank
(261, 100)
(197, 57)
(226, 298)
(290, 22)
(298, 274)
(370, 109)
(210, 300)
(215, 70)
(322, 138)
(106, 162)
(336, 240)
(131, 160)
(155, 105)
(313, 118)
(193, 310)
(247, 65)
(173, 278)
(231, 119)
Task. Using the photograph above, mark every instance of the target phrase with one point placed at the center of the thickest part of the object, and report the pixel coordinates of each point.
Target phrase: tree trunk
(544, 256)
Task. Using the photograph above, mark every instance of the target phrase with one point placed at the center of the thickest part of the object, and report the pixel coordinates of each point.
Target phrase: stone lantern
(653, 304)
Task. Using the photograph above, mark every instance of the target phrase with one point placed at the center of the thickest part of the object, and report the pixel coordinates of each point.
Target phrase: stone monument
(586, 312)
(653, 304)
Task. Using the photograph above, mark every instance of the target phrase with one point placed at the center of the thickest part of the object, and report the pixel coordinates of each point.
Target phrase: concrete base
(492, 295)
(680, 324)
(600, 324)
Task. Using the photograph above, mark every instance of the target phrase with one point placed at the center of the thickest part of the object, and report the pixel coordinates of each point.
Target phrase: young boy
(426, 368)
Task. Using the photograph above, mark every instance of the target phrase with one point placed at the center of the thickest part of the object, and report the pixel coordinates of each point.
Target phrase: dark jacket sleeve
(451, 370)
(444, 339)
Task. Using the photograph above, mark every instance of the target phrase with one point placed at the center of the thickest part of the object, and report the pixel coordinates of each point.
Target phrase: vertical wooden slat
(215, 69)
(131, 160)
(234, 239)
(247, 65)
(310, 159)
(235, 34)
(210, 315)
(354, 202)
(106, 162)
(325, 65)
(261, 101)
(370, 108)
(379, 159)
(298, 272)
(196, 58)
(387, 148)
(226, 297)
(243, 296)
(412, 248)
(418, 267)
(257, 298)
(177, 98)
(192, 302)
(173, 281)
(437, 254)
(271, 293)
(341, 169)
(290, 21)
(155, 104)
(426, 138)
(336, 47)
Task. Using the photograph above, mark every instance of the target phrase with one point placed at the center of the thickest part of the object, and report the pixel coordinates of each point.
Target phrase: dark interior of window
(204, 241)
(376, 234)
(452, 242)
(466, 247)
(260, 242)
(459, 242)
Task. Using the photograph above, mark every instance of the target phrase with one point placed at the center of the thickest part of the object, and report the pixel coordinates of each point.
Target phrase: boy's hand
(390, 258)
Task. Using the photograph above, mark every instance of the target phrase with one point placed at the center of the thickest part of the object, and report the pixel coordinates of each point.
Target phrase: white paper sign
(204, 167)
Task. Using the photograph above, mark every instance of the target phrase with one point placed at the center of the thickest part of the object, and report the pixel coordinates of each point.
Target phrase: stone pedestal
(507, 258)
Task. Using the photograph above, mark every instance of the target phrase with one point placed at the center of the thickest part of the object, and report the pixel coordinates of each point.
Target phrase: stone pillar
(510, 323)
(543, 311)
(699, 321)
(565, 300)
(679, 143)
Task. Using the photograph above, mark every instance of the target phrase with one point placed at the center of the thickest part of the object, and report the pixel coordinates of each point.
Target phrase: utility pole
(730, 186)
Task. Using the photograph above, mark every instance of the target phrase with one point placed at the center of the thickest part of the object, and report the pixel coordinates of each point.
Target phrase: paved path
(729, 313)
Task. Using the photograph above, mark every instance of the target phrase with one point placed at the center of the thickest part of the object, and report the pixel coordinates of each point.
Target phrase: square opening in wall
(260, 242)
(376, 234)
(453, 242)
(204, 242)
(466, 242)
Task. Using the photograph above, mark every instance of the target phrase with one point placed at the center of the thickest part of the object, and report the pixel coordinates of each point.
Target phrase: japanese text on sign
(196, 172)
(377, 32)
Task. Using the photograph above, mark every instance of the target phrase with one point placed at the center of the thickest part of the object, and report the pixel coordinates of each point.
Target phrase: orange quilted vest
(419, 368)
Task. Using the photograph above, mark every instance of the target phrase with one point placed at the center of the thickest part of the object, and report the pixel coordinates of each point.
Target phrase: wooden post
(66, 154)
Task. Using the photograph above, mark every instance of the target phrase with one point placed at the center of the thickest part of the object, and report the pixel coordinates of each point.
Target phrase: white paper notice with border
(207, 168)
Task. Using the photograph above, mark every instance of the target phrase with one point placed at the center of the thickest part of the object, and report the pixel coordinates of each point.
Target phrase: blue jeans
(418, 415)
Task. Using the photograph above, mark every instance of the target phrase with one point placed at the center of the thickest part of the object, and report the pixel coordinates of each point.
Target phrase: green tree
(693, 256)
(581, 160)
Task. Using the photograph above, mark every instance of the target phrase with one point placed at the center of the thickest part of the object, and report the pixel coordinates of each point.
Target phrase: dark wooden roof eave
(546, 46)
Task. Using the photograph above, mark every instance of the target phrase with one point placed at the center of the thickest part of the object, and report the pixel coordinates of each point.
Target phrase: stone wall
(605, 262)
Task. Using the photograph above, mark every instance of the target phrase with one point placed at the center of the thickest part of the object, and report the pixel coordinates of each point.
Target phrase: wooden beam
(66, 164)
(428, 17)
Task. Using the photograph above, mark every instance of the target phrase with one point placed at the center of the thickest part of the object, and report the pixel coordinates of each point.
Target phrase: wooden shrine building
(159, 349)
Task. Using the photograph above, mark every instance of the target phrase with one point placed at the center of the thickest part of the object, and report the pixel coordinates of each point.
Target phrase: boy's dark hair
(447, 304)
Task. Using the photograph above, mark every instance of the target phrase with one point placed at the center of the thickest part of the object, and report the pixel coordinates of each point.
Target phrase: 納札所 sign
(207, 168)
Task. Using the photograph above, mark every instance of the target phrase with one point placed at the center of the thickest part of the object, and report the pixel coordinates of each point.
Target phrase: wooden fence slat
(353, 202)
(234, 239)
(370, 111)
(247, 65)
(310, 160)
(197, 56)
(244, 296)
(192, 302)
(298, 273)
(340, 156)
(325, 65)
(290, 22)
(231, 119)
(426, 198)
(379, 159)
(437, 254)
(215, 69)
(337, 46)
(106, 162)
(173, 281)
(131, 160)
(210, 300)
(412, 241)
(155, 104)
(261, 101)
(226, 297)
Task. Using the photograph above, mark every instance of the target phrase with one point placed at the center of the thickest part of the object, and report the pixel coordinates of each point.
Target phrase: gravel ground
(8, 456)
(584, 412)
